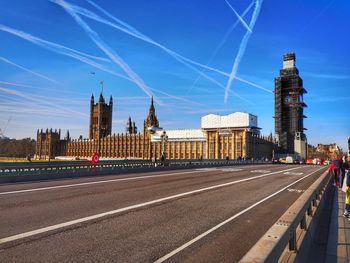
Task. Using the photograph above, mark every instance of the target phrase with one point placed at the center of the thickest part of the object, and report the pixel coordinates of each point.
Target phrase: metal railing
(106, 167)
(288, 232)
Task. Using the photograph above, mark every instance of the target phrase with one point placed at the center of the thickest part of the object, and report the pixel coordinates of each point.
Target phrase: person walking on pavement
(346, 189)
(335, 170)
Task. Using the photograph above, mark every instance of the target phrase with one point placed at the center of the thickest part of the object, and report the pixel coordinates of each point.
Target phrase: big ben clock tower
(289, 109)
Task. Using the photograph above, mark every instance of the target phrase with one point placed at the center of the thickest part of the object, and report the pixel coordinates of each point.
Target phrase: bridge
(184, 211)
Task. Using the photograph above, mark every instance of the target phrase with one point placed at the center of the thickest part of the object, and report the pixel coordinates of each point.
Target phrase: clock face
(287, 100)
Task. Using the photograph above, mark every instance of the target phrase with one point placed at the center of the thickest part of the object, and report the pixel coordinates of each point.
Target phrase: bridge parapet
(16, 172)
(284, 241)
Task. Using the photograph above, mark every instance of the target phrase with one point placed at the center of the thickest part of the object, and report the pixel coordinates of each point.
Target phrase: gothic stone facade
(219, 137)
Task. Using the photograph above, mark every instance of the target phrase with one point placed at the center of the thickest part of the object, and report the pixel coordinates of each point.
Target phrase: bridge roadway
(197, 215)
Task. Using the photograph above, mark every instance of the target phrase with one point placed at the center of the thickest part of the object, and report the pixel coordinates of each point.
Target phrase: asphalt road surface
(197, 215)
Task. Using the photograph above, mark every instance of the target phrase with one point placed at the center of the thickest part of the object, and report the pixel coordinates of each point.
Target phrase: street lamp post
(164, 139)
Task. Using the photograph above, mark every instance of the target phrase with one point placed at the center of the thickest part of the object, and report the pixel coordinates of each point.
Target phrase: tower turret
(100, 118)
(152, 120)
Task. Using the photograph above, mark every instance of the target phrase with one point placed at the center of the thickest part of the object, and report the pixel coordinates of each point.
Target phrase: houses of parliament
(219, 137)
(231, 136)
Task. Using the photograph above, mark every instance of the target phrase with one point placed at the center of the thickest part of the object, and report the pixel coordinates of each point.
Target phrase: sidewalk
(338, 245)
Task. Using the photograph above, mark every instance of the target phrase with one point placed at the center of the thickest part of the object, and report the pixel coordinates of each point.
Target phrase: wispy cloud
(242, 48)
(106, 49)
(27, 70)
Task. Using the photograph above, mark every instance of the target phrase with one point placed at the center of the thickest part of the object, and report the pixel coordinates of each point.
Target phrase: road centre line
(97, 182)
(128, 208)
(189, 243)
(91, 183)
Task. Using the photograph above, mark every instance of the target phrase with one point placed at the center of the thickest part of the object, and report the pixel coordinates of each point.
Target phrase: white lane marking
(128, 208)
(206, 169)
(103, 181)
(260, 171)
(221, 169)
(295, 190)
(90, 183)
(293, 173)
(231, 170)
(189, 243)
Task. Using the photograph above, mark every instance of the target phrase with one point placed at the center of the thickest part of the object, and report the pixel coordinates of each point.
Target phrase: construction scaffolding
(289, 106)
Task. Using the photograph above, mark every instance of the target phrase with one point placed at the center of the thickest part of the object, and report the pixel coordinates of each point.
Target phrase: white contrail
(219, 46)
(91, 15)
(137, 34)
(27, 70)
(238, 16)
(130, 28)
(20, 85)
(242, 47)
(253, 84)
(214, 81)
(177, 97)
(106, 49)
(32, 98)
(54, 47)
(47, 44)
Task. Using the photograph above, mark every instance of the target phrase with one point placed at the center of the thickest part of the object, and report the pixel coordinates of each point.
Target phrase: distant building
(329, 151)
(231, 136)
(289, 109)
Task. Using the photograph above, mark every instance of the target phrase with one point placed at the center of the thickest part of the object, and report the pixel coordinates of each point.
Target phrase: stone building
(289, 109)
(328, 151)
(231, 136)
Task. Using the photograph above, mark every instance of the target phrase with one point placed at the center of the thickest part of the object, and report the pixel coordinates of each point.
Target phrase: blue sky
(45, 85)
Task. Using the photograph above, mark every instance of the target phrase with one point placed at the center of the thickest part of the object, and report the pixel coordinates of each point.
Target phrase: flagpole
(101, 83)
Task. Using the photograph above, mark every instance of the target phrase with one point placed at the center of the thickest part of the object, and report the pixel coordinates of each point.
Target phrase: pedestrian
(335, 170)
(162, 159)
(346, 187)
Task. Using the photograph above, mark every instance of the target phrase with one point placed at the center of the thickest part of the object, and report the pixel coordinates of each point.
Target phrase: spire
(128, 128)
(151, 120)
(92, 97)
(152, 105)
(67, 136)
(101, 99)
(110, 100)
(134, 128)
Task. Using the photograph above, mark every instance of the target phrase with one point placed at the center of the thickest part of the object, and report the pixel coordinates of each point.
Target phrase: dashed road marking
(94, 182)
(293, 173)
(260, 171)
(231, 169)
